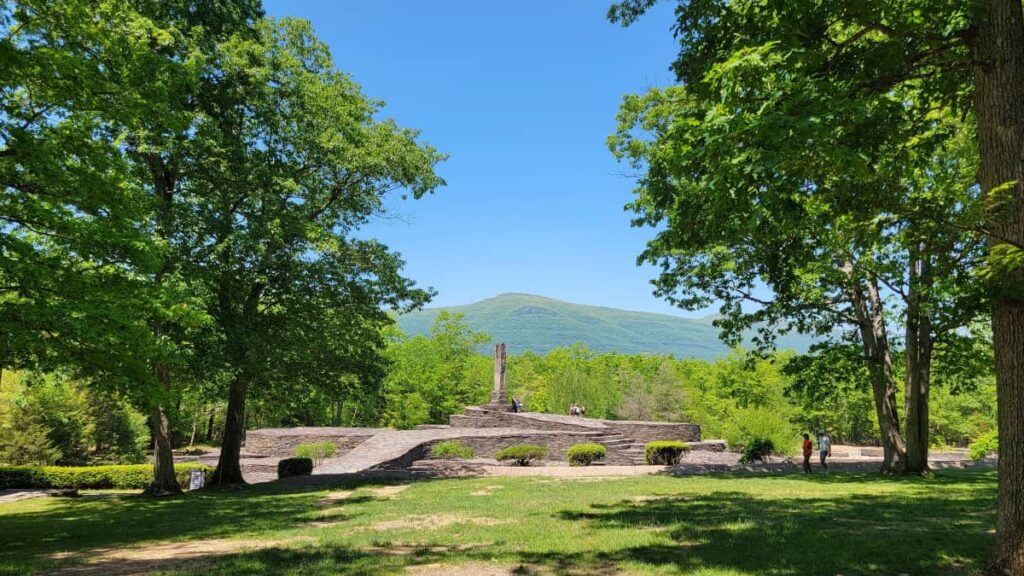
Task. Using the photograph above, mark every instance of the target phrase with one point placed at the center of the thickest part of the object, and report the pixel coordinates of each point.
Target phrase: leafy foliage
(451, 449)
(757, 450)
(130, 476)
(316, 451)
(665, 452)
(434, 376)
(585, 454)
(522, 455)
(986, 444)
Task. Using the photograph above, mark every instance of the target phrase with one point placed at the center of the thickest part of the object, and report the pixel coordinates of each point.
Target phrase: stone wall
(556, 442)
(281, 442)
(644, 432)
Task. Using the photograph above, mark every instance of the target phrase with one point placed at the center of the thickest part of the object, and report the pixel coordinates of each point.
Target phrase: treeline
(183, 185)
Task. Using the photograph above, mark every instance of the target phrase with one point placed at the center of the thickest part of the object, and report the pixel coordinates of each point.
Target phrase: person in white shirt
(824, 449)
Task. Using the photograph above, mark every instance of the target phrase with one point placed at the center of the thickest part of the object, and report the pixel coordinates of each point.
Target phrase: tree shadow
(917, 533)
(76, 527)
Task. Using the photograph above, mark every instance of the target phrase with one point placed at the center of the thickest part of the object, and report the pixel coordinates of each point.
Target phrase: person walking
(808, 450)
(824, 449)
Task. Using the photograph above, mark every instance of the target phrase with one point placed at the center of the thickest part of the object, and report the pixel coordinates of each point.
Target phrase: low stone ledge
(282, 441)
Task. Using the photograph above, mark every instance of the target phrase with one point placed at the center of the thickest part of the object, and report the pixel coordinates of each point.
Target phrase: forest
(54, 418)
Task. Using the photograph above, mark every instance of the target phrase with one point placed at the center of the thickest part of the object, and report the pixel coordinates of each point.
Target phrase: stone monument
(499, 396)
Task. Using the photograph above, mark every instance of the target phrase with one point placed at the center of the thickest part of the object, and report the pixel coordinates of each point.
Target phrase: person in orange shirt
(808, 450)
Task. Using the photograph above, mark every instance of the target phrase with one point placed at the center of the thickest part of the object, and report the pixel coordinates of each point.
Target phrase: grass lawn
(786, 525)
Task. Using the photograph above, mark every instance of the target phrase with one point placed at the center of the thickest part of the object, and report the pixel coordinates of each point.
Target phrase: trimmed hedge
(451, 449)
(316, 451)
(665, 452)
(294, 467)
(585, 454)
(122, 477)
(523, 454)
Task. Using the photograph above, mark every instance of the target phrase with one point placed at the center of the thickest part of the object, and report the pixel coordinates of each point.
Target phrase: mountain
(526, 322)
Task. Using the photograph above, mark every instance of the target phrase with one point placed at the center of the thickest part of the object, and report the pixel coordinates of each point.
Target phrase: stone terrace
(485, 429)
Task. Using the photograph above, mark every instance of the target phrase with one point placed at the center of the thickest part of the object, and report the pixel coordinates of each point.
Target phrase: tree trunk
(919, 362)
(209, 425)
(229, 469)
(875, 342)
(998, 56)
(164, 481)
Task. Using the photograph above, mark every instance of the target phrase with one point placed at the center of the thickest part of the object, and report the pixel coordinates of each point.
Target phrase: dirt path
(161, 556)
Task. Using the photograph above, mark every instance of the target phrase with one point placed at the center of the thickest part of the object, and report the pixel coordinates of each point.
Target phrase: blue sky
(522, 96)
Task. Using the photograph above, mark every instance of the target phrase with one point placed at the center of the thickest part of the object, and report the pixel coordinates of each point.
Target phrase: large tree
(965, 55)
(284, 166)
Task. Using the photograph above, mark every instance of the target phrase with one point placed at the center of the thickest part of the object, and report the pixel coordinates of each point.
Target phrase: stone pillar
(498, 395)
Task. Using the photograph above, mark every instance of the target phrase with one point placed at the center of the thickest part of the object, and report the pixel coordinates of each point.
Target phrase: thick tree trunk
(164, 481)
(998, 56)
(875, 342)
(229, 469)
(919, 363)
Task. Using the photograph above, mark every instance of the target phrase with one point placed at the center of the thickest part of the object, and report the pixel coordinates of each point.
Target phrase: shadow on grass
(941, 529)
(28, 539)
(940, 526)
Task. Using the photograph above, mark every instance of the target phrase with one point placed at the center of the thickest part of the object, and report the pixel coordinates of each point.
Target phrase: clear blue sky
(522, 96)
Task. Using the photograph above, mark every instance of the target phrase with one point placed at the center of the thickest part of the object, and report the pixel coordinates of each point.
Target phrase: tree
(759, 189)
(968, 56)
(283, 166)
(433, 376)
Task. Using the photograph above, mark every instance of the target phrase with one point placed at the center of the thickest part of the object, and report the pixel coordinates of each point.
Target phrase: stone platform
(486, 429)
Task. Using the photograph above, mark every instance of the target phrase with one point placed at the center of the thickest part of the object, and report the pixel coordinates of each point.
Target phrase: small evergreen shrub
(665, 452)
(316, 451)
(294, 467)
(757, 450)
(451, 449)
(984, 445)
(585, 454)
(121, 477)
(522, 455)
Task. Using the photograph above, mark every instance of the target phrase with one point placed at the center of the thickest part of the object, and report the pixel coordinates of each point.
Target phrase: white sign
(196, 480)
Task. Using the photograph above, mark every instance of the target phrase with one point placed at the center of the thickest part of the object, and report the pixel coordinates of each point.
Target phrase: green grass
(786, 525)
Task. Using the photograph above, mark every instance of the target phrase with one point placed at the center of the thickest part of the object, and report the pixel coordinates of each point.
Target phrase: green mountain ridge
(534, 323)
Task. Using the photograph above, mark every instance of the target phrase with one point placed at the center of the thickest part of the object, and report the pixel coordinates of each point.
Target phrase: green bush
(128, 476)
(316, 451)
(294, 467)
(523, 454)
(762, 423)
(451, 449)
(757, 450)
(984, 445)
(585, 454)
(665, 452)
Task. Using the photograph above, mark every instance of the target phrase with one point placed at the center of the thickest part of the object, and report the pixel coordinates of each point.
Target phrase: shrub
(128, 476)
(585, 454)
(451, 449)
(762, 423)
(757, 450)
(984, 445)
(316, 451)
(666, 452)
(522, 455)
(294, 467)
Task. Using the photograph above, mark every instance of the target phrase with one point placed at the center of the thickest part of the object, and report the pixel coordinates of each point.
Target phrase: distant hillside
(526, 322)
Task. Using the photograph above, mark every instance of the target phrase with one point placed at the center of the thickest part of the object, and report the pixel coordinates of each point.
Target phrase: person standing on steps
(808, 450)
(824, 449)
